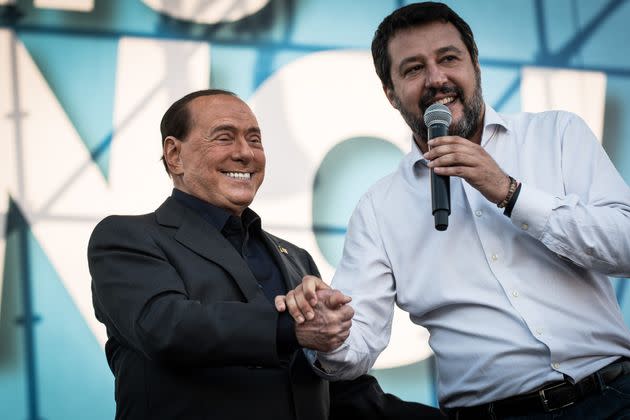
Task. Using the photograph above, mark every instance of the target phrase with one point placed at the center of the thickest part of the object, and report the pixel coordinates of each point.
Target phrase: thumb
(280, 302)
(335, 298)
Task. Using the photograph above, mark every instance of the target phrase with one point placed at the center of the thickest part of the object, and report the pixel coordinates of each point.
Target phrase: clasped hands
(322, 315)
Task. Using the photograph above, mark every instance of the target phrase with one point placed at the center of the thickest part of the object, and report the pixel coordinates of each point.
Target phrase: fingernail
(310, 315)
(300, 319)
(313, 302)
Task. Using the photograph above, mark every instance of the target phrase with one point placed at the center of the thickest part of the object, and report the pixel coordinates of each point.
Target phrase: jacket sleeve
(143, 302)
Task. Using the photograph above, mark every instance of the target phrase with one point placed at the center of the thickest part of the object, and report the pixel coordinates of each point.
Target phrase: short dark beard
(466, 127)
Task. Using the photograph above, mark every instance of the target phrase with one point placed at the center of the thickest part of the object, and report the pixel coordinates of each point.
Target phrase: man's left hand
(330, 325)
(301, 301)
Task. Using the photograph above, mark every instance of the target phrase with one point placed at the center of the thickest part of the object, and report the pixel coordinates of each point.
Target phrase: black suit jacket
(190, 333)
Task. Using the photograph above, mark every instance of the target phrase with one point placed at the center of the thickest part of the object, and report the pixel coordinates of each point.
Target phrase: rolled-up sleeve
(364, 273)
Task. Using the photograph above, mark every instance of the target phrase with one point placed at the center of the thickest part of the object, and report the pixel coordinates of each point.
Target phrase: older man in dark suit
(187, 292)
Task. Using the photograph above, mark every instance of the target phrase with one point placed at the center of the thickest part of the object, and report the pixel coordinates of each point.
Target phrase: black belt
(546, 399)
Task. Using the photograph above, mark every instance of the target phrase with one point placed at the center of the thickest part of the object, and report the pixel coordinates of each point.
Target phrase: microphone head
(437, 114)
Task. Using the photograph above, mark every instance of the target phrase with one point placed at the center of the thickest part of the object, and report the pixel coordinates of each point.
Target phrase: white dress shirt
(510, 303)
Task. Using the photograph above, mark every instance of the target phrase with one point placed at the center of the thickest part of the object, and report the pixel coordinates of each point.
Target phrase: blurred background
(84, 83)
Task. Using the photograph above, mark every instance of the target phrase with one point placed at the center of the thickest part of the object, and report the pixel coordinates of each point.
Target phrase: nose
(435, 76)
(241, 150)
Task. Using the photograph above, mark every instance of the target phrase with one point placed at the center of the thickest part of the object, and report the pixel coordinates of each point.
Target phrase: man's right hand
(330, 324)
(301, 301)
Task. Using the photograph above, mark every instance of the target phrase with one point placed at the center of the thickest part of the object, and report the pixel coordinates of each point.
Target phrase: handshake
(322, 315)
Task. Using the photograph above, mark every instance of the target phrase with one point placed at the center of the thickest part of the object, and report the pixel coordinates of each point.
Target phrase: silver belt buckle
(545, 401)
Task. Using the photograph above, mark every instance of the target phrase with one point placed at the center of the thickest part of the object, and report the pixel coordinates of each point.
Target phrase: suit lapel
(202, 238)
(292, 278)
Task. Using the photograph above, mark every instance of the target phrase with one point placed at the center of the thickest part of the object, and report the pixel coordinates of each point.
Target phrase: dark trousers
(603, 395)
(613, 402)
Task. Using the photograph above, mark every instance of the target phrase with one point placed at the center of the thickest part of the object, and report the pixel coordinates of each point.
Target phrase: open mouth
(445, 101)
(448, 95)
(245, 176)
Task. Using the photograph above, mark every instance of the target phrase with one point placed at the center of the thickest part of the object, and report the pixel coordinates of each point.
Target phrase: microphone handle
(440, 186)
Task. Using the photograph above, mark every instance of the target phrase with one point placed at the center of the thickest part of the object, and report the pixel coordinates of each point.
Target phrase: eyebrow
(231, 127)
(439, 51)
(448, 48)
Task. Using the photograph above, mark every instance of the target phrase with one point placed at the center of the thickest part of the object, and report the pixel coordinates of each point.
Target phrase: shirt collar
(492, 122)
(214, 215)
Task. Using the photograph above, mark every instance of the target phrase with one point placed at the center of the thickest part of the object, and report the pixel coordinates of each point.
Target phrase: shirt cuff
(532, 210)
(318, 367)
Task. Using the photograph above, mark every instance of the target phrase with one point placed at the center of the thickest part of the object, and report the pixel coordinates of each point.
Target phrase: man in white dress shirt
(523, 319)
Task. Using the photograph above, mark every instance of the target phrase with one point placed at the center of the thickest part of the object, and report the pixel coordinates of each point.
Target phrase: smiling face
(221, 160)
(430, 63)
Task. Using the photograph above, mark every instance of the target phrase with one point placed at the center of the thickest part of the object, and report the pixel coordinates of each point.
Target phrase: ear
(391, 96)
(171, 151)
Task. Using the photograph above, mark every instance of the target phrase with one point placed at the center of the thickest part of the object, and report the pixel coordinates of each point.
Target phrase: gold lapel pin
(283, 250)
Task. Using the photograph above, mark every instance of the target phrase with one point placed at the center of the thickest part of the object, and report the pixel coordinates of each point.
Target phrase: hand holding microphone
(466, 159)
(437, 117)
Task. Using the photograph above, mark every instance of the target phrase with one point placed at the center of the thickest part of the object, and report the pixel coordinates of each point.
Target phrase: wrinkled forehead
(208, 111)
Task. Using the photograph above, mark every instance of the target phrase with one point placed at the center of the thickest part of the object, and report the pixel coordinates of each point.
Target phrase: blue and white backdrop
(83, 85)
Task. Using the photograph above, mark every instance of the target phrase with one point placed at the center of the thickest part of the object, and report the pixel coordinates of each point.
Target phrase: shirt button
(556, 365)
(494, 257)
(478, 213)
(539, 331)
(515, 293)
(524, 226)
(588, 251)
